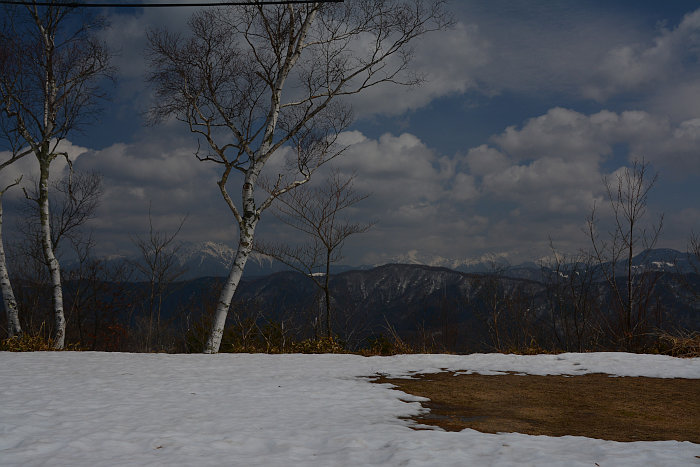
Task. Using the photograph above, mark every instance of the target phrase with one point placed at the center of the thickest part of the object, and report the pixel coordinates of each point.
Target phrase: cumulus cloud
(543, 47)
(629, 67)
(414, 192)
(449, 62)
(679, 101)
(560, 133)
(574, 50)
(542, 53)
(542, 178)
(531, 182)
(416, 197)
(161, 176)
(676, 154)
(556, 161)
(28, 168)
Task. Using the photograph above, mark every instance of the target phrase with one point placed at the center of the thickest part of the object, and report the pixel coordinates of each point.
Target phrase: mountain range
(454, 308)
(210, 259)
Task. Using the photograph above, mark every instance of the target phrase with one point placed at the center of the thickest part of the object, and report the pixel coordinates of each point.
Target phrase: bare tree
(158, 265)
(261, 82)
(8, 296)
(315, 213)
(77, 198)
(694, 248)
(693, 258)
(631, 290)
(49, 87)
(74, 200)
(572, 299)
(12, 141)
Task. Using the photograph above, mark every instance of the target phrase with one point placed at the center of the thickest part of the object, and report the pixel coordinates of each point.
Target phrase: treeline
(571, 309)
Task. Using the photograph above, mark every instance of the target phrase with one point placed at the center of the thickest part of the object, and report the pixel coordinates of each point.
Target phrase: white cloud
(416, 197)
(541, 179)
(531, 182)
(560, 133)
(397, 165)
(547, 184)
(448, 60)
(677, 153)
(484, 160)
(28, 167)
(679, 101)
(629, 67)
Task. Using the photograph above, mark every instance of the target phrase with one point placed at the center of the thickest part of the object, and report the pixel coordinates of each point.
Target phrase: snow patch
(111, 409)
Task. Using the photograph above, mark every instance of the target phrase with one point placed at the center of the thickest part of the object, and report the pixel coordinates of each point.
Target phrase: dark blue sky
(527, 105)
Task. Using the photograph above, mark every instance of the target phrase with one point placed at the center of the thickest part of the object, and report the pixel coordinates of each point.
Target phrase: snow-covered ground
(95, 409)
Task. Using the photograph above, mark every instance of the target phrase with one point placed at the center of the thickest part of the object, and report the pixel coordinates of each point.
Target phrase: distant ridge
(212, 259)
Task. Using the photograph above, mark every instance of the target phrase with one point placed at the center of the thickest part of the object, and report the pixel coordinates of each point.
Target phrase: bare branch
(260, 81)
(315, 213)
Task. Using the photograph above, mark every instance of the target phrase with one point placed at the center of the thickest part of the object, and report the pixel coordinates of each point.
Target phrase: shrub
(32, 343)
(383, 345)
(681, 344)
(26, 343)
(321, 345)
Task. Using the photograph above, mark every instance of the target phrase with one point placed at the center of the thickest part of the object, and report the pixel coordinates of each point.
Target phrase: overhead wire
(159, 5)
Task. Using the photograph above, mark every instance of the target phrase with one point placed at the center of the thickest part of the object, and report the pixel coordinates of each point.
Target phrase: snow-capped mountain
(215, 259)
(211, 259)
(485, 263)
(660, 259)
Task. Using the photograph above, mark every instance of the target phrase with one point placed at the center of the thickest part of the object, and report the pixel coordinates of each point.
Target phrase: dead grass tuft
(681, 344)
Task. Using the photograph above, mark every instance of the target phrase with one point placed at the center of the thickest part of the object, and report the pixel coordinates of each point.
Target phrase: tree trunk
(245, 246)
(8, 296)
(327, 293)
(50, 258)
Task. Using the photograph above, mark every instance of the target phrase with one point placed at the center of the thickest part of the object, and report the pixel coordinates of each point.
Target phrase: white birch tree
(8, 296)
(261, 82)
(49, 86)
(11, 141)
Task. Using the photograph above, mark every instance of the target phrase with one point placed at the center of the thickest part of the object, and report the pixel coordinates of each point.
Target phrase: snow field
(110, 409)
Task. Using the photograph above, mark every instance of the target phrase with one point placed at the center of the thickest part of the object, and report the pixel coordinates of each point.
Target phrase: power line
(160, 5)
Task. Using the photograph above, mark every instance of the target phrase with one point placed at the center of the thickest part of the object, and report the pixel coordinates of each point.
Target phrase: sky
(526, 107)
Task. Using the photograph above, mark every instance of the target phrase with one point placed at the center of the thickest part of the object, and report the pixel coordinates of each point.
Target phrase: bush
(26, 343)
(322, 345)
(383, 345)
(533, 348)
(32, 343)
(681, 344)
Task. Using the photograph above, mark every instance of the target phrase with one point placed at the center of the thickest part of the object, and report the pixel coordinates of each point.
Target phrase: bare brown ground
(594, 405)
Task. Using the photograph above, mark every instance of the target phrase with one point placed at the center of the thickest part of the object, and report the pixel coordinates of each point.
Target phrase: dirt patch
(593, 405)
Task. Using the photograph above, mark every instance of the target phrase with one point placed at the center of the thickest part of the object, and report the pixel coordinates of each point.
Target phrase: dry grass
(26, 343)
(595, 405)
(683, 344)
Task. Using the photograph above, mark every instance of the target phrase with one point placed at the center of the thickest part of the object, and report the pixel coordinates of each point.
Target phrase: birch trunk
(8, 296)
(327, 294)
(245, 246)
(50, 257)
